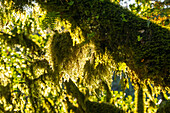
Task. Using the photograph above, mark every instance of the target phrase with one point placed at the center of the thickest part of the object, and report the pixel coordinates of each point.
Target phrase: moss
(86, 105)
(120, 38)
(117, 29)
(73, 90)
(111, 29)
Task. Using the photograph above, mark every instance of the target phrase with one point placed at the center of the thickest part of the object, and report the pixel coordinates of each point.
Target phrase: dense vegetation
(62, 55)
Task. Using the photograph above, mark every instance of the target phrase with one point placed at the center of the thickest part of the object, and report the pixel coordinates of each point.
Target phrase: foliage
(60, 56)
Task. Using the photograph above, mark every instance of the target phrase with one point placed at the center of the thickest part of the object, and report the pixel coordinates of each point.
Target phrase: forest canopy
(64, 55)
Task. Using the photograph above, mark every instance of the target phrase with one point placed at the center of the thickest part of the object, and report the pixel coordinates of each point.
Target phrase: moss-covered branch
(72, 107)
(128, 38)
(86, 105)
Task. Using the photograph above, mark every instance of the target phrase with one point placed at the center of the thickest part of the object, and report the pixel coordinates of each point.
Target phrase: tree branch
(88, 106)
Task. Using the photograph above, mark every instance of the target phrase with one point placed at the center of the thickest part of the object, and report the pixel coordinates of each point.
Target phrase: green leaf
(122, 15)
(124, 20)
(71, 3)
(97, 16)
(139, 38)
